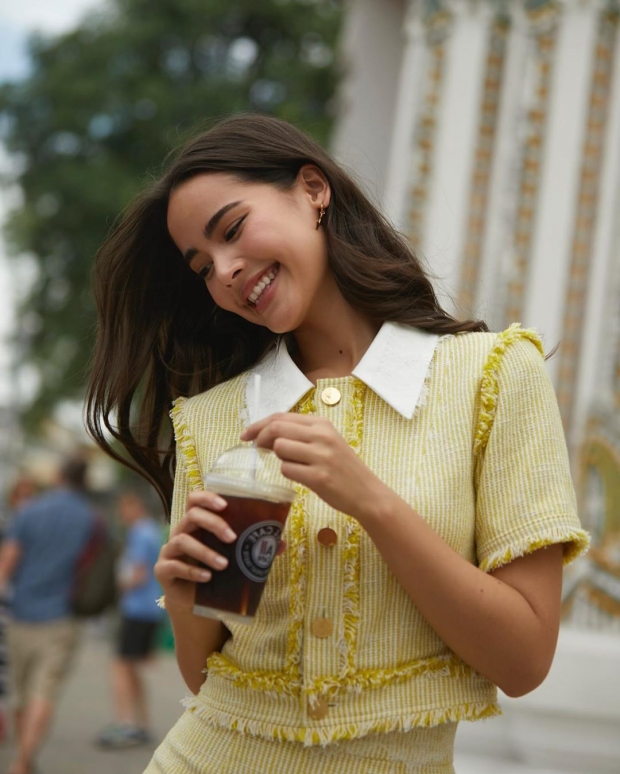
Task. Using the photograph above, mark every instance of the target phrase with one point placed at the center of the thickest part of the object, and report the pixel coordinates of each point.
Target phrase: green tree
(102, 107)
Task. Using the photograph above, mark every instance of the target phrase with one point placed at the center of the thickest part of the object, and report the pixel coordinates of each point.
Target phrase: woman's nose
(227, 269)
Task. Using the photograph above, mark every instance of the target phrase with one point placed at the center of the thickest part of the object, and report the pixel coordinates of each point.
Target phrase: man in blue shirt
(140, 620)
(38, 557)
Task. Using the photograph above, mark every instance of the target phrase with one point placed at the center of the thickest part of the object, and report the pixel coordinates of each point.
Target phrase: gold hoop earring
(321, 213)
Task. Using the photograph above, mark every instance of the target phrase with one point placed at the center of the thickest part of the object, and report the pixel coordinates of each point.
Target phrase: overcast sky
(18, 18)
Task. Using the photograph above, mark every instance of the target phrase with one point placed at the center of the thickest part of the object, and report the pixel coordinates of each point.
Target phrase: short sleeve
(525, 498)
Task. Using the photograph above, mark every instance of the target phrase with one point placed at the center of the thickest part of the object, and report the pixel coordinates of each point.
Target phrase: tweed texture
(198, 748)
(483, 460)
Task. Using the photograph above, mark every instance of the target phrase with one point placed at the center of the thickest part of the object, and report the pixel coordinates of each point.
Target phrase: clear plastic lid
(247, 471)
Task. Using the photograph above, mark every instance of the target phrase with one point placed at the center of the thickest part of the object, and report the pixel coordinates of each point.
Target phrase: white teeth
(260, 286)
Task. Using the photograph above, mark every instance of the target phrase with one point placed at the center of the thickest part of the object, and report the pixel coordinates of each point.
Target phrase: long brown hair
(160, 334)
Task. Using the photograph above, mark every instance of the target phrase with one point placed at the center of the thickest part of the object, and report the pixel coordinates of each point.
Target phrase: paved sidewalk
(85, 708)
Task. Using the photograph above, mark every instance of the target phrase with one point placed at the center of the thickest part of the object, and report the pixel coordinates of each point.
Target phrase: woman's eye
(233, 230)
(204, 271)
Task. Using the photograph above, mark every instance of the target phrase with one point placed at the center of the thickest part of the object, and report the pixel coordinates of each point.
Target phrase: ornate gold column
(544, 21)
(483, 160)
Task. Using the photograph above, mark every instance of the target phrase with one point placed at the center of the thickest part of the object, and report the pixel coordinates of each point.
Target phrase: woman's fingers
(186, 545)
(176, 569)
(205, 499)
(294, 451)
(197, 517)
(299, 420)
(281, 428)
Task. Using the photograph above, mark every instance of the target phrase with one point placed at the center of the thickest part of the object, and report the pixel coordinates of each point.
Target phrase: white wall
(372, 49)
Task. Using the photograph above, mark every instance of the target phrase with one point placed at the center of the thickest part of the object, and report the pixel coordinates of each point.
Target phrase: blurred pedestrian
(139, 626)
(38, 559)
(20, 493)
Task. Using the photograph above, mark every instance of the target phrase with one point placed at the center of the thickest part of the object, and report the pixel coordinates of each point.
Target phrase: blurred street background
(489, 133)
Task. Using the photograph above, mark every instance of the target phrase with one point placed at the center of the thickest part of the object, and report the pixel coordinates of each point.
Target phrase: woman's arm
(195, 638)
(178, 569)
(504, 624)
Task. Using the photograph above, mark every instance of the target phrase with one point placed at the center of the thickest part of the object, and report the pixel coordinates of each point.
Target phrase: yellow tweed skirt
(194, 746)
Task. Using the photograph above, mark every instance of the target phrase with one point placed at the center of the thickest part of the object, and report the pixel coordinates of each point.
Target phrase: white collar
(394, 366)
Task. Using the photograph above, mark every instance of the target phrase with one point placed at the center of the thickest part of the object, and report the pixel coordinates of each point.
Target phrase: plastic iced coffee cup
(258, 501)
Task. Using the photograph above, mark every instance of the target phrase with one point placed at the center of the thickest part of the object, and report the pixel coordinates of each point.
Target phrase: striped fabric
(198, 748)
(485, 463)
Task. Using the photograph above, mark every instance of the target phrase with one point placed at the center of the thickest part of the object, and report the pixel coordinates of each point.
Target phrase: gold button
(318, 709)
(330, 396)
(322, 627)
(327, 536)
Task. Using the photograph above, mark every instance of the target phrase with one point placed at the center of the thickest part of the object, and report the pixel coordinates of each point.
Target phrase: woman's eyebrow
(215, 219)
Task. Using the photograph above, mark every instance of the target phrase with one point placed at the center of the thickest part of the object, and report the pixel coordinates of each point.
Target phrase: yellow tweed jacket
(483, 460)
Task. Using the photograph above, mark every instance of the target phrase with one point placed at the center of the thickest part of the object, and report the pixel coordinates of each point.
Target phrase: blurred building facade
(489, 131)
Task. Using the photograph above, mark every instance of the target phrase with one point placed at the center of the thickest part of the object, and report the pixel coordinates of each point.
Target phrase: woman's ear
(314, 183)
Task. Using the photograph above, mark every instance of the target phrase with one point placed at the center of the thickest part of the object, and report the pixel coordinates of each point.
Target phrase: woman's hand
(314, 454)
(179, 566)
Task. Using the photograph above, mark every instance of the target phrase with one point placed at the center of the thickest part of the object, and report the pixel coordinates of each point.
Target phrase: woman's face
(256, 246)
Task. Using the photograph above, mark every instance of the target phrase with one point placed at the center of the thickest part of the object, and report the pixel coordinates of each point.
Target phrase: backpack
(94, 586)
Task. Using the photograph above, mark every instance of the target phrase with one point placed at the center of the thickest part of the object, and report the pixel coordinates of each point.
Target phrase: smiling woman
(435, 507)
(173, 281)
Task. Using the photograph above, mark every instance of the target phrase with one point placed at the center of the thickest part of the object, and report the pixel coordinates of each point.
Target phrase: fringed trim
(354, 420)
(351, 593)
(576, 543)
(187, 447)
(489, 382)
(355, 682)
(353, 433)
(297, 538)
(440, 666)
(325, 735)
(268, 682)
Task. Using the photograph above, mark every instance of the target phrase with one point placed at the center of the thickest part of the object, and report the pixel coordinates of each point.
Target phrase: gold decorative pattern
(483, 162)
(586, 212)
(438, 24)
(544, 20)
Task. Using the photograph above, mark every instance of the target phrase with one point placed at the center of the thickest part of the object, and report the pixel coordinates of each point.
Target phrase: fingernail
(221, 561)
(205, 575)
(230, 535)
(243, 435)
(218, 502)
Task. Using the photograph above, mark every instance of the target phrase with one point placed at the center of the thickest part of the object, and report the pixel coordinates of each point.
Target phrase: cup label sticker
(256, 549)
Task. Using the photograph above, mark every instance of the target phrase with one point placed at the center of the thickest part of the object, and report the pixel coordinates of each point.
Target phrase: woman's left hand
(314, 454)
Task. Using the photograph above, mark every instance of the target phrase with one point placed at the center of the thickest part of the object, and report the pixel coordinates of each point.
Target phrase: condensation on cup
(259, 499)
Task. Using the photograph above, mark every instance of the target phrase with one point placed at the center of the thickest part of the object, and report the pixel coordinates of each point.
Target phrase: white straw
(255, 418)
(256, 411)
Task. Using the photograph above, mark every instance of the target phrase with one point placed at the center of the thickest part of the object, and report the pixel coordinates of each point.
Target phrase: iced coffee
(258, 501)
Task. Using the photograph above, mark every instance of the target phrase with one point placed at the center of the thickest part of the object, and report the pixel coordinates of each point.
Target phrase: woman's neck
(334, 346)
